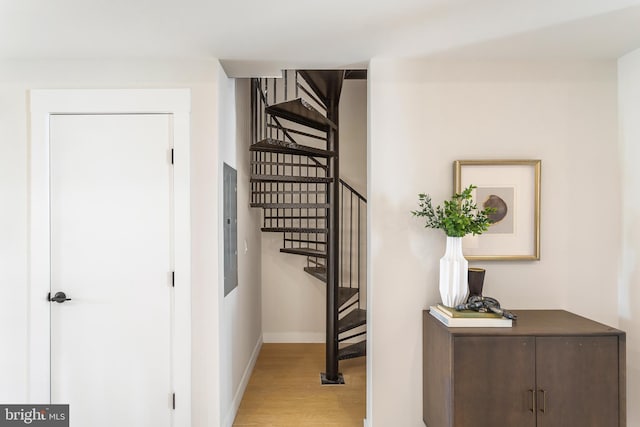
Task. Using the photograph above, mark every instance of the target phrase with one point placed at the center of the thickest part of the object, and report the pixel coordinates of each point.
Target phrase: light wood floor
(285, 390)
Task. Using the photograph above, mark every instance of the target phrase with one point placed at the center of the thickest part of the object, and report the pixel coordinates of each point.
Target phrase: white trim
(237, 399)
(105, 101)
(44, 103)
(182, 264)
(369, 268)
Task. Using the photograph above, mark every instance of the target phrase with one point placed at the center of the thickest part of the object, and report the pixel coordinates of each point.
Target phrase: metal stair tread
(295, 230)
(270, 145)
(290, 205)
(317, 272)
(345, 294)
(284, 178)
(305, 252)
(355, 318)
(356, 74)
(300, 111)
(358, 349)
(294, 217)
(326, 84)
(303, 241)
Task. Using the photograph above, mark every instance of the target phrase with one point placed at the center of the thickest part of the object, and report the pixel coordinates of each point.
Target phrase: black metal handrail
(353, 190)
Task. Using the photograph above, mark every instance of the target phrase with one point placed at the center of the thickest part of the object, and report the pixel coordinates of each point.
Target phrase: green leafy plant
(459, 216)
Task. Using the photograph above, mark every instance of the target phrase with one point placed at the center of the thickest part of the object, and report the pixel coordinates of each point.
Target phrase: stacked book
(468, 318)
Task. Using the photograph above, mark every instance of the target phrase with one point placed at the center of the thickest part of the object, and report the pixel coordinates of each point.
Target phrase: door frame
(44, 103)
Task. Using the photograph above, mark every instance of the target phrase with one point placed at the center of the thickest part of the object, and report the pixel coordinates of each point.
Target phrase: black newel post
(332, 376)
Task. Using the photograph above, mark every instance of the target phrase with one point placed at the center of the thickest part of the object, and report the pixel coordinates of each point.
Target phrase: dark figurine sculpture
(484, 304)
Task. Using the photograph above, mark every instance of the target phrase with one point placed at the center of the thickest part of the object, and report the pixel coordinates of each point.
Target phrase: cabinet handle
(533, 400)
(543, 407)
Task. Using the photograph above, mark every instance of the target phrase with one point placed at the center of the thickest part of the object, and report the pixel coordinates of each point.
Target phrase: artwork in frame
(512, 188)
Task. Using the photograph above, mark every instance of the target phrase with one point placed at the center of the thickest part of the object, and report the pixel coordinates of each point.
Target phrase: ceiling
(257, 37)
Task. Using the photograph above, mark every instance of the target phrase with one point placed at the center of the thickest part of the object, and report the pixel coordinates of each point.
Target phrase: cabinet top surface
(539, 322)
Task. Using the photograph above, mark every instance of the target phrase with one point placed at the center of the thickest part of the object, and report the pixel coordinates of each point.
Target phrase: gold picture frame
(512, 187)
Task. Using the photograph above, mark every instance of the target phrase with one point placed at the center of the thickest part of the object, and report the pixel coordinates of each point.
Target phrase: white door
(111, 254)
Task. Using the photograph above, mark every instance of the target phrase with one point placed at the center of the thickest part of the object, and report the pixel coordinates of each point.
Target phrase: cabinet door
(494, 381)
(577, 380)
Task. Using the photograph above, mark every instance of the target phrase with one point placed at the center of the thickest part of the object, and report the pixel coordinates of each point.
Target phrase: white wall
(241, 309)
(629, 279)
(293, 302)
(353, 134)
(425, 115)
(13, 238)
(212, 120)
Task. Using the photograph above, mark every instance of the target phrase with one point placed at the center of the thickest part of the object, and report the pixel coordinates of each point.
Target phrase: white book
(469, 322)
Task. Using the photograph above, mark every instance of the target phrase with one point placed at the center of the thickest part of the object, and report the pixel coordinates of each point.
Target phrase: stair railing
(269, 91)
(353, 216)
(323, 214)
(266, 91)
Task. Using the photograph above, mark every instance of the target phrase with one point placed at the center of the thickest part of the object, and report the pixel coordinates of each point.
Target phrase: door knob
(59, 297)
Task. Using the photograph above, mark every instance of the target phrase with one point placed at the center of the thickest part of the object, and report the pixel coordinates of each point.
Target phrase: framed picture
(512, 188)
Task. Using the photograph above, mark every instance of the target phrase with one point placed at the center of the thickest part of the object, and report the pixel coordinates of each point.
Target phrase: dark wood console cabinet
(551, 369)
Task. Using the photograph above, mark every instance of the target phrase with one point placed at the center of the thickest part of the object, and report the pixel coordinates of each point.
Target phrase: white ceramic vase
(454, 288)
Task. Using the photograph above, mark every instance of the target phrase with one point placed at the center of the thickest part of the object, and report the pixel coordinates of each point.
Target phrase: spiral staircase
(295, 179)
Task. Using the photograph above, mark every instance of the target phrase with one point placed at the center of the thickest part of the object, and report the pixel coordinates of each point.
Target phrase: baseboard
(365, 423)
(293, 337)
(237, 399)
